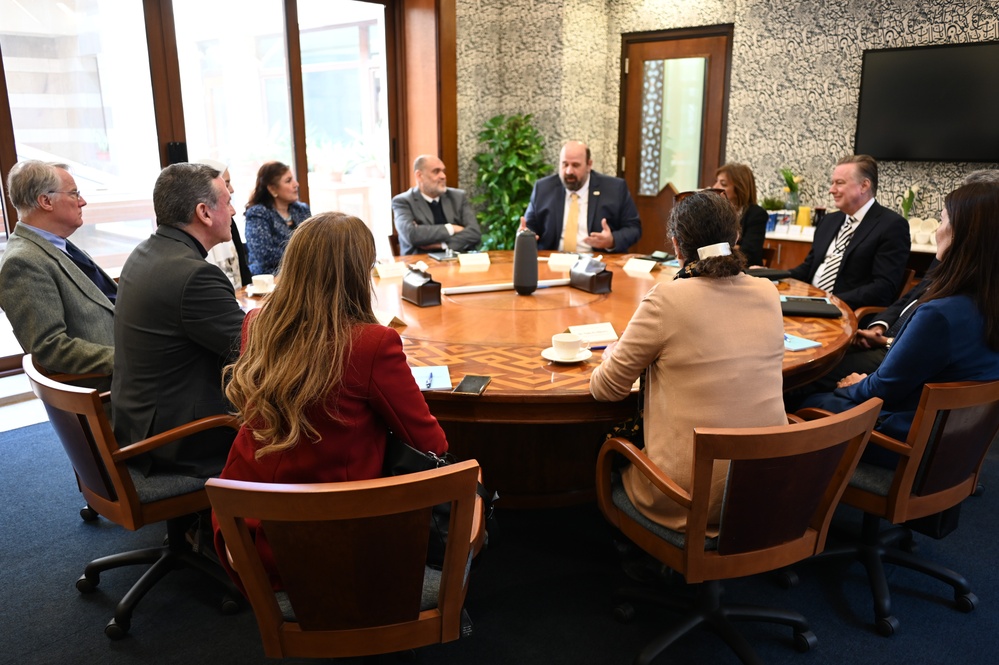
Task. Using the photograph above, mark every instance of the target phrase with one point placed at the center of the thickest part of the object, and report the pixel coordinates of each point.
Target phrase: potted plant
(506, 170)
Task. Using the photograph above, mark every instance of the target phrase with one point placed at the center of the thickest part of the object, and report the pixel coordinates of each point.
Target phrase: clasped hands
(602, 239)
(872, 338)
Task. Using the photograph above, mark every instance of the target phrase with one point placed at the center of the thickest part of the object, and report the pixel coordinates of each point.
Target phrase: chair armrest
(793, 419)
(641, 461)
(867, 310)
(811, 414)
(888, 443)
(160, 440)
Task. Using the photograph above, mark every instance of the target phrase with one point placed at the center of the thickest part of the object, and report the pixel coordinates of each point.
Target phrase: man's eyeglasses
(682, 195)
(75, 193)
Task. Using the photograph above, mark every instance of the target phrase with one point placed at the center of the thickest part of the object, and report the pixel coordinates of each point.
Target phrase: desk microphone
(525, 263)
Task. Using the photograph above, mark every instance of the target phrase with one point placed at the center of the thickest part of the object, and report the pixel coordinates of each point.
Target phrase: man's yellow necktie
(571, 224)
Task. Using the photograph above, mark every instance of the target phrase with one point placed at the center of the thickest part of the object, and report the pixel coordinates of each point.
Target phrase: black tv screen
(930, 103)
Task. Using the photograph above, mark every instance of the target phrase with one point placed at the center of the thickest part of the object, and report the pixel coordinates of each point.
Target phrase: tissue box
(419, 288)
(583, 278)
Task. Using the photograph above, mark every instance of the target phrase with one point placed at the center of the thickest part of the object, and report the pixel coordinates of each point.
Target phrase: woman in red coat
(320, 383)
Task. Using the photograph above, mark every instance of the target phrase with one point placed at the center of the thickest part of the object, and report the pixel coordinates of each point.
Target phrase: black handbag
(400, 459)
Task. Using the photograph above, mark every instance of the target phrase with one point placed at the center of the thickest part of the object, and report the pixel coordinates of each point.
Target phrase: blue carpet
(541, 594)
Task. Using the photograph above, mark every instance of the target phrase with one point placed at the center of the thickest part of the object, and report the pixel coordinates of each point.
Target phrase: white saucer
(250, 291)
(549, 354)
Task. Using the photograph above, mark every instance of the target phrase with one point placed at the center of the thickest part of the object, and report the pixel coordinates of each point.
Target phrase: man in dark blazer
(871, 268)
(177, 324)
(433, 216)
(60, 307)
(607, 218)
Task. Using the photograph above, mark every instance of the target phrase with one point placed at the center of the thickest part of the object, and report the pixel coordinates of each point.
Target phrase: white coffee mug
(263, 283)
(568, 345)
(922, 238)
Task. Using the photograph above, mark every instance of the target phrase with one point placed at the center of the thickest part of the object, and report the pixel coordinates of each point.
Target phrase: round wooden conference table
(536, 430)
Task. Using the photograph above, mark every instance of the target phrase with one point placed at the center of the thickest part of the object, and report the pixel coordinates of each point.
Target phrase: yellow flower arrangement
(791, 181)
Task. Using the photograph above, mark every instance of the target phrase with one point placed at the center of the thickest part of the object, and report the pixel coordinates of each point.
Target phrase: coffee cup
(568, 345)
(263, 283)
(922, 238)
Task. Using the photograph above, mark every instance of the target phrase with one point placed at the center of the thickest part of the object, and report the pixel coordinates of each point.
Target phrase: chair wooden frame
(961, 418)
(80, 421)
(765, 525)
(349, 610)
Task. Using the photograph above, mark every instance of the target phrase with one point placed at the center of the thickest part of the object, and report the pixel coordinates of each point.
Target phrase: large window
(343, 81)
(108, 85)
(79, 93)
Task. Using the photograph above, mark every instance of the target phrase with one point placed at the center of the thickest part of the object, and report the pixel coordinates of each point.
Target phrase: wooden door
(674, 106)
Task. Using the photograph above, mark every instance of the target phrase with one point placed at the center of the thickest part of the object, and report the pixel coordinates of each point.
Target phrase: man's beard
(573, 185)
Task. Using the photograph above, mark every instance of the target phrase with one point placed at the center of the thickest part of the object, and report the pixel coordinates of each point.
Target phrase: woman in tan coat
(712, 342)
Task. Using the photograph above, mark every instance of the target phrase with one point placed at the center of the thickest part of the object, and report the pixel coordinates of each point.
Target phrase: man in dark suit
(580, 209)
(433, 216)
(177, 324)
(859, 253)
(59, 302)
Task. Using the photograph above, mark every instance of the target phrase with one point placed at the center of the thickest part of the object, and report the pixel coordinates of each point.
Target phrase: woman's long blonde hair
(298, 345)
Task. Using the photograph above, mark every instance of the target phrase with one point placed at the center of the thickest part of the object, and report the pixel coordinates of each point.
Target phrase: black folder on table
(805, 306)
(769, 273)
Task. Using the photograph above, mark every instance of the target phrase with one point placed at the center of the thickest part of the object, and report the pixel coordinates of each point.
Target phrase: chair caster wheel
(115, 630)
(966, 602)
(805, 641)
(908, 545)
(624, 613)
(886, 626)
(230, 605)
(88, 514)
(786, 579)
(86, 584)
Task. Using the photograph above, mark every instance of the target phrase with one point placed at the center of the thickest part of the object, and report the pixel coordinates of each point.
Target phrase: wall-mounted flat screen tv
(930, 103)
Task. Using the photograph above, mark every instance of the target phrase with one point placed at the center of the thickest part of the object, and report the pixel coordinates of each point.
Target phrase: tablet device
(472, 384)
(809, 306)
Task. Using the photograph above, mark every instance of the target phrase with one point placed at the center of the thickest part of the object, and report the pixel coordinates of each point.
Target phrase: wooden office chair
(394, 242)
(938, 468)
(783, 485)
(351, 557)
(87, 514)
(124, 496)
(769, 254)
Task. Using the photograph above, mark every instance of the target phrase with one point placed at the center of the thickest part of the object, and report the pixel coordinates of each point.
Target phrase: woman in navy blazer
(954, 335)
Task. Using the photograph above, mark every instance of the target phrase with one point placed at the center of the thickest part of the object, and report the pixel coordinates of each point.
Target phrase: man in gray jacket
(432, 216)
(59, 302)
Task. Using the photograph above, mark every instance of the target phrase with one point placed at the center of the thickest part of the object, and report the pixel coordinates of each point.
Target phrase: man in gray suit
(177, 324)
(58, 301)
(433, 216)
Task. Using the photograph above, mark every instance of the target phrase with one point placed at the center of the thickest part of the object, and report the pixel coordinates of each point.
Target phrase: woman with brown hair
(952, 336)
(739, 185)
(272, 214)
(320, 383)
(711, 345)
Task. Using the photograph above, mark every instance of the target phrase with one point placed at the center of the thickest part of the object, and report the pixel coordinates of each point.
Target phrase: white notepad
(595, 333)
(432, 378)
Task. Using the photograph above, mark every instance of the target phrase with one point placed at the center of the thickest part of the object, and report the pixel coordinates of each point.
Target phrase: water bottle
(525, 263)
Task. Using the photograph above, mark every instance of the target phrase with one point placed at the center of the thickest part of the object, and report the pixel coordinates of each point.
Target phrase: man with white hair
(59, 302)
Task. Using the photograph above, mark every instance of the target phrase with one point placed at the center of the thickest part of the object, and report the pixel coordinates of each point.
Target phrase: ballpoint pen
(430, 379)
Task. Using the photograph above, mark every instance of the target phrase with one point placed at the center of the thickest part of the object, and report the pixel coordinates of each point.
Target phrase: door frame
(712, 144)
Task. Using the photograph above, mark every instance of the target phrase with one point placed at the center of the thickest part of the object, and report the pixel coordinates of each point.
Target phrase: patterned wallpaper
(794, 84)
